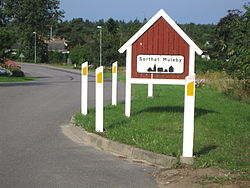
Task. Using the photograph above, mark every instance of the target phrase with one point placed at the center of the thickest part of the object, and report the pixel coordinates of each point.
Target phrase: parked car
(3, 71)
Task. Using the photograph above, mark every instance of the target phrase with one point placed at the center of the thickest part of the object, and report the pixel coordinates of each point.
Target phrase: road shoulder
(79, 135)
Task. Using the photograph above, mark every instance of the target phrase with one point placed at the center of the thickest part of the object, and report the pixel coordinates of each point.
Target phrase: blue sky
(182, 11)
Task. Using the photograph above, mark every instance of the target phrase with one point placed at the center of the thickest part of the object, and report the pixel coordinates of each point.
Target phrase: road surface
(33, 150)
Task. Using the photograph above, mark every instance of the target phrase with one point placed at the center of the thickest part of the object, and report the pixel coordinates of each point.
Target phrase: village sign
(161, 53)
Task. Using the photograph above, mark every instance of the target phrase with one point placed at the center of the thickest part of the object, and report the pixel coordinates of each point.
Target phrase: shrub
(13, 69)
(11, 65)
(203, 65)
(57, 57)
(17, 73)
(224, 83)
(80, 54)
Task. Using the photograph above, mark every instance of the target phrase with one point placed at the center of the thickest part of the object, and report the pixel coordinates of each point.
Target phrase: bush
(17, 73)
(203, 65)
(13, 68)
(80, 54)
(227, 85)
(11, 65)
(57, 57)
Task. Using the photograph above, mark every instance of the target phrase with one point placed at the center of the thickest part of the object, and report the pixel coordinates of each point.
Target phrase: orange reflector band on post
(190, 89)
(99, 78)
(85, 71)
(114, 69)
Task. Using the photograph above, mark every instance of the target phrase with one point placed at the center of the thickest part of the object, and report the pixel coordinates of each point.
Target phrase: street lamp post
(35, 47)
(100, 27)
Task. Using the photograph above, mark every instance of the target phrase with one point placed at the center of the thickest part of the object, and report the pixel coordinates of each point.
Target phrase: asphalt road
(33, 150)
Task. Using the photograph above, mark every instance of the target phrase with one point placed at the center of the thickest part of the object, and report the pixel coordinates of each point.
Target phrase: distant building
(58, 45)
(14, 48)
(55, 45)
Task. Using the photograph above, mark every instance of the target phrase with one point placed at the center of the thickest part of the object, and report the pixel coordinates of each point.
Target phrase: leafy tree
(57, 57)
(7, 36)
(80, 54)
(33, 16)
(231, 47)
(77, 31)
(2, 14)
(7, 39)
(110, 42)
(200, 33)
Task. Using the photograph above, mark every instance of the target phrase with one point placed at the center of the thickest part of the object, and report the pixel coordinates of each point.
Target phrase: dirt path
(188, 177)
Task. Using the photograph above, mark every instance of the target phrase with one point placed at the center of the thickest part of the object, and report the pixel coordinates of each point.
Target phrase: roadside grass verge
(222, 126)
(16, 79)
(121, 77)
(231, 87)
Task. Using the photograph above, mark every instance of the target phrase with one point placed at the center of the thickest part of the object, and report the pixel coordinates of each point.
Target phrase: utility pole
(100, 27)
(51, 33)
(35, 47)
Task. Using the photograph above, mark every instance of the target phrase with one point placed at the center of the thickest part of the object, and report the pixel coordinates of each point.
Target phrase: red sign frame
(160, 39)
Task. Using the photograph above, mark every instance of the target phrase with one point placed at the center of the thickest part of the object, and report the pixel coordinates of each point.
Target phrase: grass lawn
(16, 79)
(222, 126)
(121, 77)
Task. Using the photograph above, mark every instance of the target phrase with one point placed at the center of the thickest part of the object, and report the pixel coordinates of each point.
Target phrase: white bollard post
(188, 131)
(114, 83)
(84, 89)
(99, 99)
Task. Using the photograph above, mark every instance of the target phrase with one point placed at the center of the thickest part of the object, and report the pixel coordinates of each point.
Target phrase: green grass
(108, 74)
(16, 79)
(222, 126)
(220, 180)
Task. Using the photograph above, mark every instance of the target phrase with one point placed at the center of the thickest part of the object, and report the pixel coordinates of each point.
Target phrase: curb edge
(121, 149)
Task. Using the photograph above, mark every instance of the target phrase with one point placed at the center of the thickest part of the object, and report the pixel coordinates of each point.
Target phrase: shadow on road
(35, 83)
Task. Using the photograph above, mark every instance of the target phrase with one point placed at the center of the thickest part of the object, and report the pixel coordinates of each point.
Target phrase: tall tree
(33, 16)
(232, 43)
(7, 36)
(110, 42)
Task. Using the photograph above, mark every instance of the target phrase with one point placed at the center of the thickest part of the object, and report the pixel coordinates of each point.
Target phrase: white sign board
(164, 64)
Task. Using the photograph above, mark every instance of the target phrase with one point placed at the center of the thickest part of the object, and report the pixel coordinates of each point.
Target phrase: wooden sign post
(161, 53)
(84, 89)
